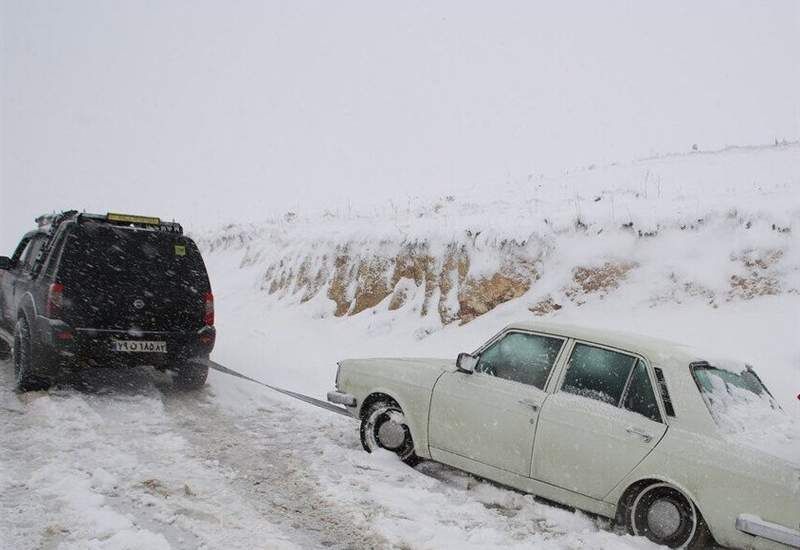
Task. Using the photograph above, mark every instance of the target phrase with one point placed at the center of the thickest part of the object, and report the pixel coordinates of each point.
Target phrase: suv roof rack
(128, 220)
(48, 222)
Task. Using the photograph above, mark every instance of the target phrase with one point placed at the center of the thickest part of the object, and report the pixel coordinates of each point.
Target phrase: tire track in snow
(127, 461)
(270, 464)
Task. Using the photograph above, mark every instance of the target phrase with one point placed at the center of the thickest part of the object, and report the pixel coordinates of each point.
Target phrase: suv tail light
(55, 299)
(208, 316)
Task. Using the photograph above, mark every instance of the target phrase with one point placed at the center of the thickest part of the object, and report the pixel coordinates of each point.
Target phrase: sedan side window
(640, 397)
(598, 373)
(520, 357)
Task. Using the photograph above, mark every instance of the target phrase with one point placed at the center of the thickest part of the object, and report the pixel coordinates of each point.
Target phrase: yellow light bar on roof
(127, 218)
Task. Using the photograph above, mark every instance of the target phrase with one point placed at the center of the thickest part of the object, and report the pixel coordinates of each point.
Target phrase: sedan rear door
(600, 424)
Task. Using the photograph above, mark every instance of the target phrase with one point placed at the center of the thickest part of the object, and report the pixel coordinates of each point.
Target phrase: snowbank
(710, 226)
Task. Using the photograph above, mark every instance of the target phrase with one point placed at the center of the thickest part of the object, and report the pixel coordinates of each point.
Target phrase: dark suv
(88, 290)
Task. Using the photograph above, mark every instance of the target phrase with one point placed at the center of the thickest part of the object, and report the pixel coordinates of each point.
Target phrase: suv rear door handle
(640, 433)
(529, 403)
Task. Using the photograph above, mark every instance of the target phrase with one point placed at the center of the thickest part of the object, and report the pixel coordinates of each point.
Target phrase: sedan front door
(490, 416)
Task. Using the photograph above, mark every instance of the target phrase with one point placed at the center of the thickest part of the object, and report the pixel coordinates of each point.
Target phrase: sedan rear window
(745, 411)
(737, 399)
(598, 373)
(639, 397)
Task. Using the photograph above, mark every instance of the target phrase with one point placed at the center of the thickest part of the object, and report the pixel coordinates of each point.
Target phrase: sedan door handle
(640, 433)
(529, 403)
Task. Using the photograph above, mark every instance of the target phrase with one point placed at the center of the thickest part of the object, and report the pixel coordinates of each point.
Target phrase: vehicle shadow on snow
(129, 381)
(106, 381)
(466, 481)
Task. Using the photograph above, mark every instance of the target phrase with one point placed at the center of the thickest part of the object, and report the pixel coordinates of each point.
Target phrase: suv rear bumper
(93, 347)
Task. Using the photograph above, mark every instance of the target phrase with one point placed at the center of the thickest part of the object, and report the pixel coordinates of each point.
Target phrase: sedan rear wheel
(383, 426)
(666, 516)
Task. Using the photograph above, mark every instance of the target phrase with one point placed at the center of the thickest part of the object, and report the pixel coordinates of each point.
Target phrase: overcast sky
(214, 111)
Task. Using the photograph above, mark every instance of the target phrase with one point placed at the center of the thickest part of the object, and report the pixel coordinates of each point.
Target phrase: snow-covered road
(127, 461)
(121, 460)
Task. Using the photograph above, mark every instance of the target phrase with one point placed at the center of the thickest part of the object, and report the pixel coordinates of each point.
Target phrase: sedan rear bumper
(754, 525)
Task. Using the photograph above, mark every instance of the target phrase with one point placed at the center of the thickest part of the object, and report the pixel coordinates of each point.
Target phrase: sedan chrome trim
(754, 525)
(342, 398)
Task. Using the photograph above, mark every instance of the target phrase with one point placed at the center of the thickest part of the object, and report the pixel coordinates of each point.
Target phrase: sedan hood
(437, 365)
(421, 372)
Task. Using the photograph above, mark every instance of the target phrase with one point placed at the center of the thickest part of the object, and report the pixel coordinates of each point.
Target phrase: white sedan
(647, 432)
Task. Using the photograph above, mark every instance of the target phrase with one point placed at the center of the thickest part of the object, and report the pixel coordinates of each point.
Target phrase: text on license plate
(138, 346)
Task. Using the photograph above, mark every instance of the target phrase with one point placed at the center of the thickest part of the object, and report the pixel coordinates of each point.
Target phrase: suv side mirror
(466, 362)
(5, 263)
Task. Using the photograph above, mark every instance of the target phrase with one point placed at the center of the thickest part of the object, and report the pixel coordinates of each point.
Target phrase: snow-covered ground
(120, 460)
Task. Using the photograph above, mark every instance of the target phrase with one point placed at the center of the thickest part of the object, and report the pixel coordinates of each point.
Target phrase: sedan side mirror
(466, 362)
(5, 263)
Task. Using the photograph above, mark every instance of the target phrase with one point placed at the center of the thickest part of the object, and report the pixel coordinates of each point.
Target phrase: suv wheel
(190, 376)
(26, 379)
(5, 351)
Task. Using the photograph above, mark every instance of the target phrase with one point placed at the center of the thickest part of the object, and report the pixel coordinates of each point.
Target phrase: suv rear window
(107, 254)
(106, 268)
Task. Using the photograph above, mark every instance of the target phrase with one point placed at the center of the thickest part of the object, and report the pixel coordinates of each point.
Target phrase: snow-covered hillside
(691, 237)
(714, 226)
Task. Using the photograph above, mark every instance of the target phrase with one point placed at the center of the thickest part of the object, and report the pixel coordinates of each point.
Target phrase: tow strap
(310, 400)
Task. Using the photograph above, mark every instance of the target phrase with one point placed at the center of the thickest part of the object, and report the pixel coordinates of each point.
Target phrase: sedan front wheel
(383, 426)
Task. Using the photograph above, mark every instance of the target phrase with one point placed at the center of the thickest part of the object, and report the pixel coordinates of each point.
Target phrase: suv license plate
(138, 346)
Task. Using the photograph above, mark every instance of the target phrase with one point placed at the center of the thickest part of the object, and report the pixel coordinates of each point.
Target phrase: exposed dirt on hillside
(760, 276)
(446, 282)
(360, 281)
(459, 280)
(597, 279)
(545, 306)
(586, 281)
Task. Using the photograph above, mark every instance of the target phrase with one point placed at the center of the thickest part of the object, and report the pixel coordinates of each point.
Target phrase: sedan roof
(657, 350)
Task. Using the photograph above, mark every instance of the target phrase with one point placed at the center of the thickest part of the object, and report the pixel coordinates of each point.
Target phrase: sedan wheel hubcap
(663, 518)
(391, 435)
